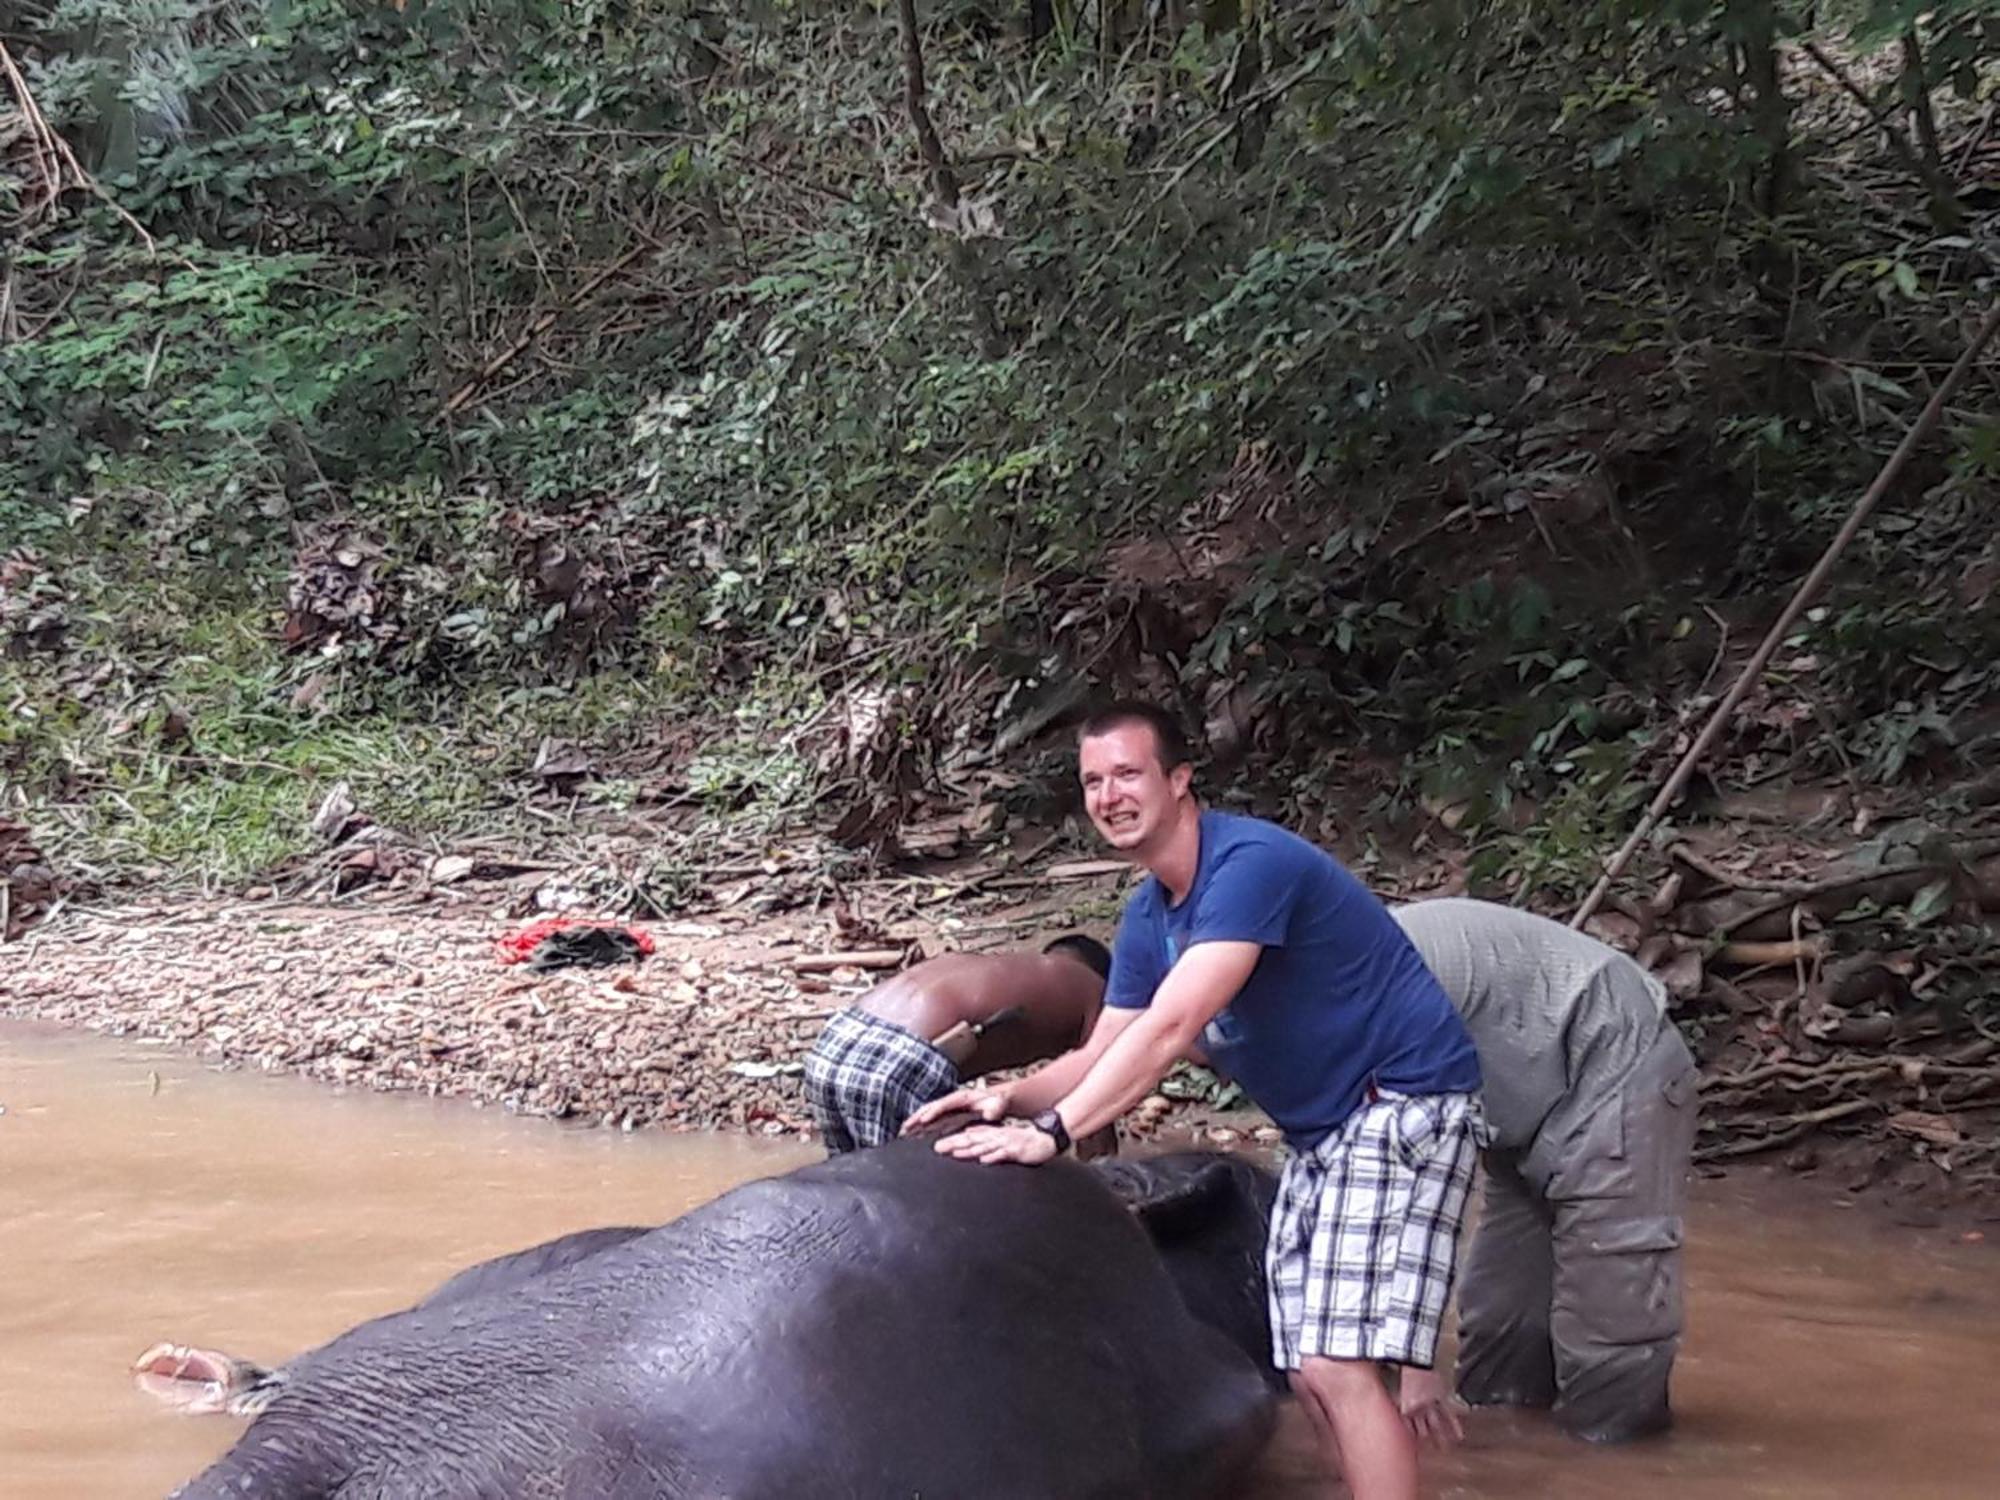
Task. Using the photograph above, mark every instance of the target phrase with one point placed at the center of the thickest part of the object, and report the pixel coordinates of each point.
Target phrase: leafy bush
(1451, 348)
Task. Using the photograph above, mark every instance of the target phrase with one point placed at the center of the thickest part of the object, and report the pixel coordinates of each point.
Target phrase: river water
(144, 1196)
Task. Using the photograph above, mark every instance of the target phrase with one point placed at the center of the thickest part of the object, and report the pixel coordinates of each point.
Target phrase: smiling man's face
(1130, 796)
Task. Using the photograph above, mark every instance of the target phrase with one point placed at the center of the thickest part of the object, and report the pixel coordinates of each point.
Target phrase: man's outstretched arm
(1206, 979)
(1032, 1092)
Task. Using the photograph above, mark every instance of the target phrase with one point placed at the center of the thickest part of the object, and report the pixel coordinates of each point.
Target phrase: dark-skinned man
(1259, 950)
(919, 1034)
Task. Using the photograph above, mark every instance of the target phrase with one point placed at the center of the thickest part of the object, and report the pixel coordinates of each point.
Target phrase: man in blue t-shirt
(1260, 952)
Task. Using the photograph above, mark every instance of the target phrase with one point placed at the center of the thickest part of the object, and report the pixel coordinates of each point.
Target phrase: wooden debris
(1086, 869)
(1754, 955)
(1937, 1129)
(855, 958)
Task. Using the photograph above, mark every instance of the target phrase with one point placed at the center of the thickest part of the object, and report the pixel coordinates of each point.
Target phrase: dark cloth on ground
(584, 948)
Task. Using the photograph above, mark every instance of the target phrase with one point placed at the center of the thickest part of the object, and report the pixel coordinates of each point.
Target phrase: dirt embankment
(1827, 997)
(405, 987)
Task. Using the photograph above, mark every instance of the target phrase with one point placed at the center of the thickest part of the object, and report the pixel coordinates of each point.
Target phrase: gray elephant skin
(889, 1323)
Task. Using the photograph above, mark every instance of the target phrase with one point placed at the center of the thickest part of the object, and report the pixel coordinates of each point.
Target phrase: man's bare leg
(1359, 1427)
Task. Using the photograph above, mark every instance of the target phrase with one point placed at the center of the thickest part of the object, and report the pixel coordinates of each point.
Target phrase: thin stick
(857, 958)
(538, 326)
(47, 144)
(1815, 580)
(1793, 1128)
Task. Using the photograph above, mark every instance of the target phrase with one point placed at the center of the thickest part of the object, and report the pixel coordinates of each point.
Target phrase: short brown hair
(1168, 735)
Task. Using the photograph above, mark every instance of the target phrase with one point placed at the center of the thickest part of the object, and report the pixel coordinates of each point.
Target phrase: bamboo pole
(1814, 581)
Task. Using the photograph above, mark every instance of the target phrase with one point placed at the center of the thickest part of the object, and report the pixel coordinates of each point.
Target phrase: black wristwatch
(1050, 1124)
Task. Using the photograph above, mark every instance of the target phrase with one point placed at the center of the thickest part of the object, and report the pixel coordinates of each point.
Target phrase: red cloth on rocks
(517, 947)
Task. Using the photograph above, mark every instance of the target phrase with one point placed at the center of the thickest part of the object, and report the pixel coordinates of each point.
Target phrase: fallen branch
(1086, 869)
(1758, 955)
(857, 958)
(1794, 607)
(1841, 884)
(1791, 1128)
(463, 396)
(1798, 1077)
(1708, 869)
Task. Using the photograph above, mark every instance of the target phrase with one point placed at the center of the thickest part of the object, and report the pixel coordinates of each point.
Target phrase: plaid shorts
(865, 1076)
(1364, 1235)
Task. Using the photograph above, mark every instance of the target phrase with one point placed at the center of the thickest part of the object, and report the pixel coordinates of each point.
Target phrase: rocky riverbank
(1837, 1014)
(406, 987)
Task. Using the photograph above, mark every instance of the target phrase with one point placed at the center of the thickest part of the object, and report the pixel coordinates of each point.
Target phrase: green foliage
(634, 340)
(217, 372)
(1559, 854)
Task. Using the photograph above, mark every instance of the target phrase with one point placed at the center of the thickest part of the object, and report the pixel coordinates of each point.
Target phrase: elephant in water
(888, 1323)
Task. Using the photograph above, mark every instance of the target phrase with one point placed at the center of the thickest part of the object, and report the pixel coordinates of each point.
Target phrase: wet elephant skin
(1208, 1215)
(887, 1323)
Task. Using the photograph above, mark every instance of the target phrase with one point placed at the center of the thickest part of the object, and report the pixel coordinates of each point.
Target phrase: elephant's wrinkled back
(889, 1322)
(946, 1328)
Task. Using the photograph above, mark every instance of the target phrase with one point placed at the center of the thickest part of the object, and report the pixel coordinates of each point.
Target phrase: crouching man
(916, 1036)
(1571, 1294)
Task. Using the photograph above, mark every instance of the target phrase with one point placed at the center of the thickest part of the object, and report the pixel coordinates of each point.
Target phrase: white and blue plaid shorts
(865, 1076)
(1364, 1234)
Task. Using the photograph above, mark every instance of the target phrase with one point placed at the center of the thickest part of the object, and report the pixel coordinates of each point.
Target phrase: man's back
(1056, 997)
(1554, 1014)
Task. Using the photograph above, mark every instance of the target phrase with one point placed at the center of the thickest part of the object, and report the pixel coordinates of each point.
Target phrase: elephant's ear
(197, 1381)
(1173, 1197)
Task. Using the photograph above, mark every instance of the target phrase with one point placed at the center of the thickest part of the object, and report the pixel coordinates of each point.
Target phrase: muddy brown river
(144, 1196)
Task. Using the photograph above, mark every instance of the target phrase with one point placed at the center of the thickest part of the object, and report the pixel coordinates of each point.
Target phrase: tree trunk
(960, 255)
(944, 181)
(1771, 112)
(1947, 215)
(1916, 86)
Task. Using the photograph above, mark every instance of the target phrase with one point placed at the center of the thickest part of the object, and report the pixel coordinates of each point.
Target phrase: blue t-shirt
(1339, 998)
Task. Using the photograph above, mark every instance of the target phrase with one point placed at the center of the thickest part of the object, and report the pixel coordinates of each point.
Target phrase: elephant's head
(1208, 1215)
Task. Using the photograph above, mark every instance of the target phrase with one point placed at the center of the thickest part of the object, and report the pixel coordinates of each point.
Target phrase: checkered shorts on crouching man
(1364, 1233)
(865, 1076)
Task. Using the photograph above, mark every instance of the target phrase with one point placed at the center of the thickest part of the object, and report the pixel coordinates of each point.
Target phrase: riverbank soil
(1814, 986)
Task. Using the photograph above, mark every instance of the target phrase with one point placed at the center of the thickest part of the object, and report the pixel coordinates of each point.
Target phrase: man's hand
(992, 1143)
(1429, 1407)
(988, 1104)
